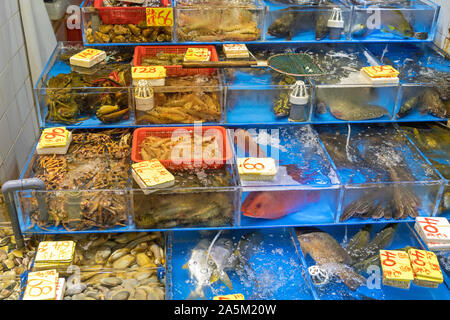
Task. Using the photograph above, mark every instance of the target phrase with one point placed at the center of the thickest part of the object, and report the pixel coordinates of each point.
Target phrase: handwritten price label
(396, 265)
(159, 17)
(197, 54)
(257, 166)
(152, 173)
(236, 296)
(54, 137)
(41, 285)
(88, 54)
(381, 71)
(433, 229)
(148, 72)
(425, 265)
(54, 251)
(235, 50)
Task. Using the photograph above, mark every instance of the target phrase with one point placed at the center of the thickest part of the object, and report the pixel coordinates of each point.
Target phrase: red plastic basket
(209, 163)
(175, 70)
(122, 15)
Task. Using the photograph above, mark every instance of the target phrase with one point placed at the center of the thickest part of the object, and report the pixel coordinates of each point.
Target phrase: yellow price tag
(55, 251)
(381, 72)
(148, 72)
(159, 17)
(88, 54)
(425, 265)
(41, 285)
(152, 172)
(197, 54)
(396, 265)
(236, 296)
(53, 137)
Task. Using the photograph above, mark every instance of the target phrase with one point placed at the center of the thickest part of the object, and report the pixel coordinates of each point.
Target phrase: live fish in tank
(210, 261)
(202, 266)
(426, 101)
(346, 262)
(329, 255)
(347, 106)
(393, 22)
(277, 204)
(293, 22)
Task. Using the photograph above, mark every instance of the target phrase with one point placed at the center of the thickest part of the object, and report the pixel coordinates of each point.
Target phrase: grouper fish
(329, 255)
(292, 22)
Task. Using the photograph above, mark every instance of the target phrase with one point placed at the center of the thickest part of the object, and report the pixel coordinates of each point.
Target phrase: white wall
(443, 23)
(18, 121)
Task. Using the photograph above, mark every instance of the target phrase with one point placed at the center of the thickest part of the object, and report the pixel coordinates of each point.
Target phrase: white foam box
(60, 289)
(433, 229)
(380, 81)
(88, 58)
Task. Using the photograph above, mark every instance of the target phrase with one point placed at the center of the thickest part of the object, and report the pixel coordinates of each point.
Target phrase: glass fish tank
(185, 99)
(237, 265)
(433, 141)
(85, 189)
(219, 20)
(385, 177)
(328, 21)
(204, 190)
(200, 198)
(120, 251)
(424, 78)
(344, 261)
(408, 20)
(113, 266)
(343, 94)
(303, 190)
(73, 96)
(268, 104)
(106, 23)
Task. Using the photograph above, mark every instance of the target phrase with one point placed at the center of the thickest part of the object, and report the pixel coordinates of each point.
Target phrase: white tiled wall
(443, 23)
(18, 122)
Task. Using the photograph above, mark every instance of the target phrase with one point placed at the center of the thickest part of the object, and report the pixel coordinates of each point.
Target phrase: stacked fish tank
(347, 182)
(217, 21)
(106, 22)
(424, 80)
(402, 21)
(68, 95)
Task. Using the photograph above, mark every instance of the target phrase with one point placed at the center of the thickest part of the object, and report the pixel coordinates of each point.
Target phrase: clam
(143, 260)
(111, 281)
(124, 262)
(118, 254)
(119, 294)
(140, 294)
(102, 255)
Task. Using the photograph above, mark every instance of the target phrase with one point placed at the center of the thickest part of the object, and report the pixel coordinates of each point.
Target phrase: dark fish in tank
(350, 111)
(293, 22)
(329, 255)
(432, 103)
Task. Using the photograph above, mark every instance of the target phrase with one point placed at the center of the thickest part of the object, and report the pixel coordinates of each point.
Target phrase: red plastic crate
(122, 15)
(211, 163)
(175, 70)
